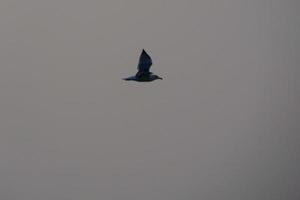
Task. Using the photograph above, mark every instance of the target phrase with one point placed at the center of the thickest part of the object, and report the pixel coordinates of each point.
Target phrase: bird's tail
(127, 79)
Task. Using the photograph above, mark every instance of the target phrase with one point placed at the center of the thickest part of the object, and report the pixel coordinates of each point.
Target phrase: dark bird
(143, 74)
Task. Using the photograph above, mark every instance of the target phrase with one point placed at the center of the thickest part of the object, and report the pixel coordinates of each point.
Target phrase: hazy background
(224, 124)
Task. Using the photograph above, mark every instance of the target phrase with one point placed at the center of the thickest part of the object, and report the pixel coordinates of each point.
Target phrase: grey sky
(222, 125)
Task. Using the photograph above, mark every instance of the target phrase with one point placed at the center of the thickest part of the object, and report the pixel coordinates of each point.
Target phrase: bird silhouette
(143, 74)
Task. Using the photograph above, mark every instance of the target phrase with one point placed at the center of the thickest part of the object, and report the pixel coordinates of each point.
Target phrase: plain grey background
(222, 125)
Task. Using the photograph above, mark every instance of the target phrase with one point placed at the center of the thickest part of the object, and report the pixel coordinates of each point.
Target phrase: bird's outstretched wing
(145, 63)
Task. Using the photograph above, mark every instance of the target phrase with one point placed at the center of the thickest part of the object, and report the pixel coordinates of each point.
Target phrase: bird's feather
(145, 63)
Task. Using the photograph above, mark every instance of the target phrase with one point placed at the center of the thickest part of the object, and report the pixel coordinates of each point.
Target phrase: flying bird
(143, 74)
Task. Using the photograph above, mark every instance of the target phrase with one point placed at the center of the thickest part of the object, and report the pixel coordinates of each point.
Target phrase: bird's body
(143, 74)
(145, 78)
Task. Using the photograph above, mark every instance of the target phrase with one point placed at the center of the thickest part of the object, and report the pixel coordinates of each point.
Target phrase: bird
(144, 74)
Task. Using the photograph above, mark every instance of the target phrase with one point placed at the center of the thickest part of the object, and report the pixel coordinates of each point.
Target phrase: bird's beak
(160, 78)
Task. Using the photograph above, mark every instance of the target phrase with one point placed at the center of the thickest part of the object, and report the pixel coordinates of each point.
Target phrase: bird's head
(158, 77)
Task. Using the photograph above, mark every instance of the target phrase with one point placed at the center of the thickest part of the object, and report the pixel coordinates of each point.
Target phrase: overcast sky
(224, 124)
